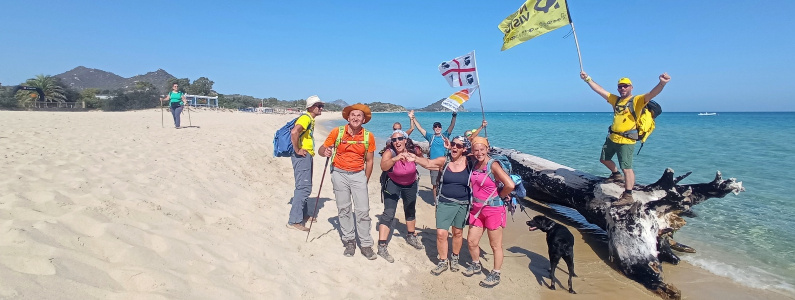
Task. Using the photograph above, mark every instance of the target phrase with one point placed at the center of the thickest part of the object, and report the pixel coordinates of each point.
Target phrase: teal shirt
(175, 97)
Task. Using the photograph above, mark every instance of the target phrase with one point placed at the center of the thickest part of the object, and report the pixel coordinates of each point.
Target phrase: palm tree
(51, 85)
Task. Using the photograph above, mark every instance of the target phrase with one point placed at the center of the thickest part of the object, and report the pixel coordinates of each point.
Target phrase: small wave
(749, 276)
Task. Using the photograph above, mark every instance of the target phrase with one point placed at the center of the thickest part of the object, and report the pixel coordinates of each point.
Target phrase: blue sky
(722, 55)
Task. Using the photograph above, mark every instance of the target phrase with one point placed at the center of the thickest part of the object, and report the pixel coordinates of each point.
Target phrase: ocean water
(747, 237)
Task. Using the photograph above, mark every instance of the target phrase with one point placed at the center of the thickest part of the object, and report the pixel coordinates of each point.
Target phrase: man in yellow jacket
(617, 143)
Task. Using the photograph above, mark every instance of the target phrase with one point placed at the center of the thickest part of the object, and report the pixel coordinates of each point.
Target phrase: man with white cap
(618, 143)
(303, 150)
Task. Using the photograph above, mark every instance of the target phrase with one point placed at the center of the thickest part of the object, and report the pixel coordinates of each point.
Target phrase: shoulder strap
(489, 172)
(441, 175)
(340, 132)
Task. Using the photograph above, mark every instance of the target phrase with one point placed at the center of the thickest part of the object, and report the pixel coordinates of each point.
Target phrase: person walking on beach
(176, 103)
(435, 143)
(351, 148)
(303, 151)
(452, 201)
(617, 143)
(488, 209)
(401, 182)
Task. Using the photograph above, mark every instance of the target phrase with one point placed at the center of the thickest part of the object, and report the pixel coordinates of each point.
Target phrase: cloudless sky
(721, 55)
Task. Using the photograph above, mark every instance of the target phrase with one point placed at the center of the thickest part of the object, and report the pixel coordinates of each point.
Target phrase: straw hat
(358, 106)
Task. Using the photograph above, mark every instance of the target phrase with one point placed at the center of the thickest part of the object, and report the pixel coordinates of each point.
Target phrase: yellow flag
(534, 18)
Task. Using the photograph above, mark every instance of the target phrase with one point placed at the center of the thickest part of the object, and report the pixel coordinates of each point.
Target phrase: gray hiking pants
(176, 112)
(302, 171)
(353, 204)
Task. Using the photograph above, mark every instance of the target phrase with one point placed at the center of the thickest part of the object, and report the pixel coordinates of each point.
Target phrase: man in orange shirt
(351, 149)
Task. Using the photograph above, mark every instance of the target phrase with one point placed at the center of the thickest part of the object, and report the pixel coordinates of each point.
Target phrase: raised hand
(583, 75)
(411, 114)
(484, 124)
(446, 143)
(664, 78)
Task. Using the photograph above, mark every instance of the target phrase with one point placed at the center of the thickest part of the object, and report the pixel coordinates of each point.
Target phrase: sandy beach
(104, 205)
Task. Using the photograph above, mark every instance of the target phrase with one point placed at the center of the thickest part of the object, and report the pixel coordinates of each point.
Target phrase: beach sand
(108, 205)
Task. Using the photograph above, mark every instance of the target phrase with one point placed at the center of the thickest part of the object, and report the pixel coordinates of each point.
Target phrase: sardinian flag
(455, 100)
(460, 71)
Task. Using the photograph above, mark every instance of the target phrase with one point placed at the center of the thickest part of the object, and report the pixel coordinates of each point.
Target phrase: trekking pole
(189, 121)
(317, 200)
(162, 124)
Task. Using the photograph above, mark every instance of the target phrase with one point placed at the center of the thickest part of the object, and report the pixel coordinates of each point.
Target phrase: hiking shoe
(440, 267)
(383, 252)
(350, 248)
(626, 199)
(297, 226)
(454, 266)
(615, 178)
(491, 280)
(368, 252)
(414, 241)
(474, 268)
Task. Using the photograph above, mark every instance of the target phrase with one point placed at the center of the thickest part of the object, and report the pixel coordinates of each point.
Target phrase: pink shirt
(403, 172)
(482, 185)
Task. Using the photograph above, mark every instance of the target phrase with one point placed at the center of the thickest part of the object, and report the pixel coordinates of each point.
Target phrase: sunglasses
(400, 138)
(623, 86)
(437, 126)
(319, 105)
(457, 145)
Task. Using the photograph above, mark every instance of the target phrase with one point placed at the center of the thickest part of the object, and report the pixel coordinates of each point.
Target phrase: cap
(437, 124)
(312, 100)
(625, 81)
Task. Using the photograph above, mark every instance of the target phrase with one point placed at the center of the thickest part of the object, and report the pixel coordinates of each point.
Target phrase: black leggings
(392, 193)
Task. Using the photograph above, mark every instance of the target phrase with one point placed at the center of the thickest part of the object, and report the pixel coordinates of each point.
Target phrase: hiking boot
(615, 178)
(474, 268)
(383, 252)
(368, 252)
(626, 199)
(297, 226)
(414, 241)
(454, 266)
(440, 267)
(491, 280)
(350, 248)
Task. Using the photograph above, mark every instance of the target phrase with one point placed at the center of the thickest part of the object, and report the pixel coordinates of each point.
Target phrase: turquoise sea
(747, 237)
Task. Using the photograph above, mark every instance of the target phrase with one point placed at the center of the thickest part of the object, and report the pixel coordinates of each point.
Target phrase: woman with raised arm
(401, 182)
(488, 209)
(452, 201)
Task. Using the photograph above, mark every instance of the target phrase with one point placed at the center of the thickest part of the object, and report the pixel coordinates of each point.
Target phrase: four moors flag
(455, 100)
(534, 18)
(460, 71)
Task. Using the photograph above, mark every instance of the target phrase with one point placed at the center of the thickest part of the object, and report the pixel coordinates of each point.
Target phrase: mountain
(340, 102)
(385, 107)
(81, 78)
(437, 106)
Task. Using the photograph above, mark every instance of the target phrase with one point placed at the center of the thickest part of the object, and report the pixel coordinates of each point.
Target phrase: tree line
(141, 96)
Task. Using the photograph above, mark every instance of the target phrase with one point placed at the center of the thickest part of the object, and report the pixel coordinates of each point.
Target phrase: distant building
(205, 101)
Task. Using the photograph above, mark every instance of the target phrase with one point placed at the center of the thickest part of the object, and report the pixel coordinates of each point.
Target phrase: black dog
(560, 243)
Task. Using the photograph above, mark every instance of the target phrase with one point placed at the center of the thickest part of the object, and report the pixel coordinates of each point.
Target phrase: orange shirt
(350, 157)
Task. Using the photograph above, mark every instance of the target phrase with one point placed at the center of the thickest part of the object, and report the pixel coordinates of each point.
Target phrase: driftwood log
(640, 236)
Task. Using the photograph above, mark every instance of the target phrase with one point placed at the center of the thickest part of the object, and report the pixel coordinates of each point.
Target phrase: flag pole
(577, 44)
(482, 112)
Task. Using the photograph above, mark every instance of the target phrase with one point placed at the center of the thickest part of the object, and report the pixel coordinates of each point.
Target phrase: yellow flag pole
(578, 45)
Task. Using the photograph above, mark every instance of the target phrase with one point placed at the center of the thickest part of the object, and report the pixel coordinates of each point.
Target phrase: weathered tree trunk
(640, 235)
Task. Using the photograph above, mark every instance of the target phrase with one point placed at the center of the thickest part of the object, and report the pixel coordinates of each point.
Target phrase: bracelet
(588, 79)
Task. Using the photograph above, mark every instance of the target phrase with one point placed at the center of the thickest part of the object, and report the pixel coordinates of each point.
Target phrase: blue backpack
(282, 143)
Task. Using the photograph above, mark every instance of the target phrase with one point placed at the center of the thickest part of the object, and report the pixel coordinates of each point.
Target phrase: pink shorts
(491, 217)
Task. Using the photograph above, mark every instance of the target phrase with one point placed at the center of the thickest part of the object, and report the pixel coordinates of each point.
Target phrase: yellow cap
(625, 81)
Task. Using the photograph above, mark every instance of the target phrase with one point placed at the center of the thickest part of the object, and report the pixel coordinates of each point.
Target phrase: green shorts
(624, 152)
(451, 214)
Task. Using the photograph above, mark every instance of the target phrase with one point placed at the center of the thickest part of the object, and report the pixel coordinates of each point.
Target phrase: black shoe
(350, 248)
(368, 252)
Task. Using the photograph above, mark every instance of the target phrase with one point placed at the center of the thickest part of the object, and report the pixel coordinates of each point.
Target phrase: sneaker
(615, 178)
(626, 199)
(474, 268)
(383, 252)
(440, 267)
(368, 252)
(491, 280)
(350, 248)
(414, 241)
(454, 266)
(297, 226)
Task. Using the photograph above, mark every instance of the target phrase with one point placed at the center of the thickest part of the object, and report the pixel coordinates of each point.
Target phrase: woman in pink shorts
(488, 209)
